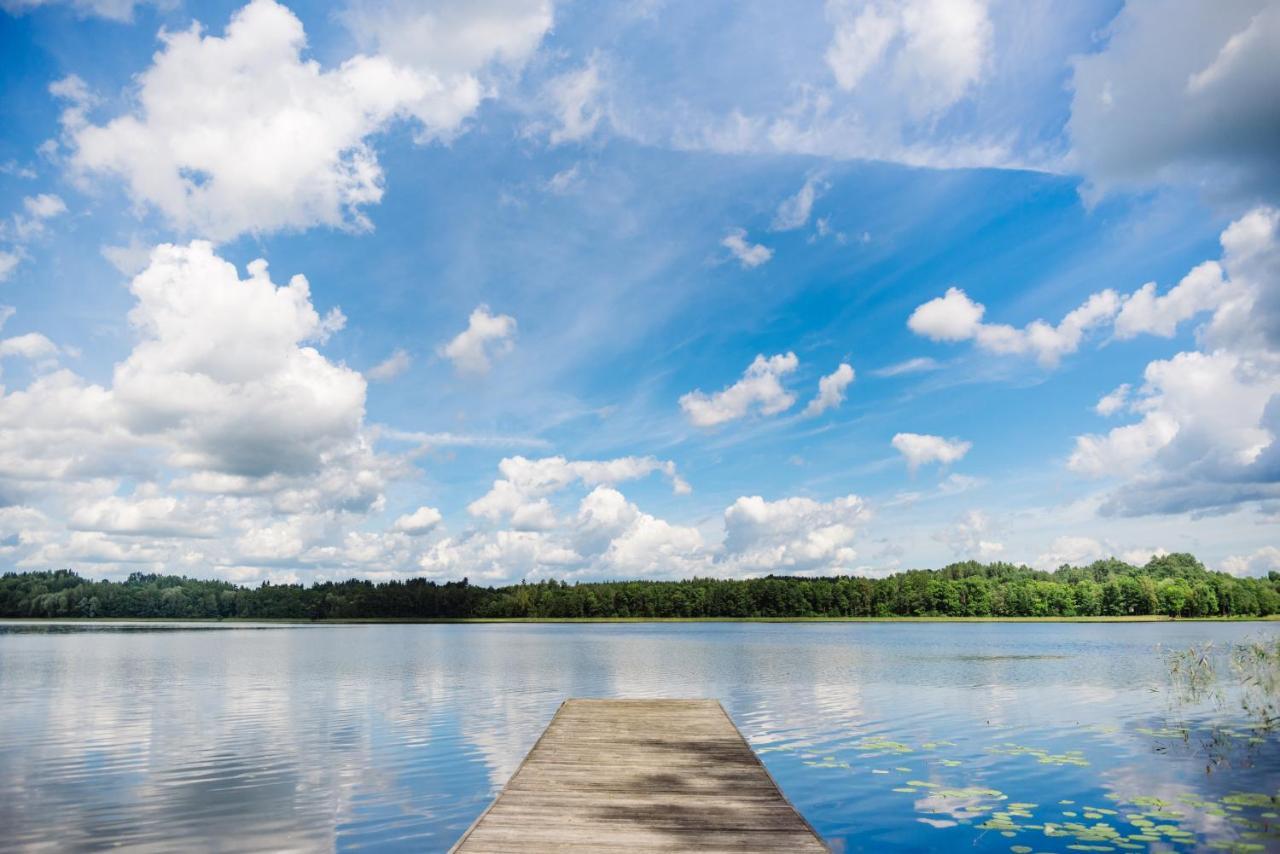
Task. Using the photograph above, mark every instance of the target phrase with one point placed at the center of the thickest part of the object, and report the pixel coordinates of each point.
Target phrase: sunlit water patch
(988, 737)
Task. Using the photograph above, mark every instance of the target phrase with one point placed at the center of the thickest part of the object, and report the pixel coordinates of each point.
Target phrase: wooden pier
(640, 775)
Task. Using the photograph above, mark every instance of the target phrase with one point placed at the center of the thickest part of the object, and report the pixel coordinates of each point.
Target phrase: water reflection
(397, 736)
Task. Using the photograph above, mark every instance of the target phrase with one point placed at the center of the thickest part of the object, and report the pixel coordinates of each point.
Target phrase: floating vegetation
(825, 763)
(876, 743)
(1238, 821)
(1251, 799)
(1071, 757)
(1131, 823)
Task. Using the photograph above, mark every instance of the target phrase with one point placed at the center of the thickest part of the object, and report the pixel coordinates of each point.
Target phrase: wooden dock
(640, 775)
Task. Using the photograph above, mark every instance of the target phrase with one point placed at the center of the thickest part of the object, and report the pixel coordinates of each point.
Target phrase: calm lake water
(987, 737)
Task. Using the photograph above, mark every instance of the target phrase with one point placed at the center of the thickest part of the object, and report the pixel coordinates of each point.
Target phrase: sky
(523, 289)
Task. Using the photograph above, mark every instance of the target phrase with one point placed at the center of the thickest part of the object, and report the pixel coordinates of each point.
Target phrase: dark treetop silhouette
(1174, 585)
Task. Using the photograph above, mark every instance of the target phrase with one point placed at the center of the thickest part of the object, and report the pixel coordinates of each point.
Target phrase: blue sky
(638, 290)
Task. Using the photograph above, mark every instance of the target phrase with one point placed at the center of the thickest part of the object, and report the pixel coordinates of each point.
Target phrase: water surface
(987, 737)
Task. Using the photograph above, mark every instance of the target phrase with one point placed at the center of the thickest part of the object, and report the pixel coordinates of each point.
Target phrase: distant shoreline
(1141, 618)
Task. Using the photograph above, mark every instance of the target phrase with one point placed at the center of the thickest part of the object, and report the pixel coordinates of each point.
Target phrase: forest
(1174, 585)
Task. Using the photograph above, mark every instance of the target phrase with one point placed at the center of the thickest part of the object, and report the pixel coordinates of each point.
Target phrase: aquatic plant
(1248, 671)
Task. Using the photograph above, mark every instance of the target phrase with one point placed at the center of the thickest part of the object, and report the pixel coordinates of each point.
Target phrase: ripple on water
(396, 737)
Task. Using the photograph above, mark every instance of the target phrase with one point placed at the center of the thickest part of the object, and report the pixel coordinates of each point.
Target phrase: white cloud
(486, 337)
(158, 516)
(115, 10)
(1186, 98)
(1203, 289)
(831, 390)
(918, 365)
(951, 317)
(1209, 417)
(239, 133)
(1113, 401)
(564, 180)
(1141, 557)
(931, 53)
(792, 535)
(130, 259)
(970, 537)
(222, 370)
(498, 557)
(1260, 562)
(610, 536)
(1076, 551)
(921, 449)
(955, 317)
(794, 211)
(391, 367)
(627, 542)
(24, 227)
(32, 345)
(573, 99)
(39, 208)
(223, 424)
(760, 388)
(749, 255)
(420, 521)
(521, 494)
(460, 45)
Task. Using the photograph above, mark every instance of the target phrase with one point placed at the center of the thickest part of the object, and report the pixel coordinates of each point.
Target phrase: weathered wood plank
(640, 775)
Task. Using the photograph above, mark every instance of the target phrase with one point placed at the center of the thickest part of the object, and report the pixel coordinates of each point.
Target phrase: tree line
(1175, 585)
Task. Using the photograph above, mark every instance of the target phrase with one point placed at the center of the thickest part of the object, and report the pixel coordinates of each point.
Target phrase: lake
(975, 736)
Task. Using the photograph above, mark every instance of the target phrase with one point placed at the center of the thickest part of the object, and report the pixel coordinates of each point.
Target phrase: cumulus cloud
(628, 542)
(1076, 551)
(611, 536)
(794, 211)
(749, 255)
(391, 367)
(1113, 401)
(31, 345)
(971, 537)
(956, 317)
(224, 424)
(1209, 418)
(950, 317)
(792, 535)
(240, 133)
(831, 390)
(760, 388)
(1190, 97)
(486, 337)
(930, 53)
(520, 496)
(920, 449)
(420, 521)
(1260, 562)
(1145, 312)
(222, 369)
(462, 44)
